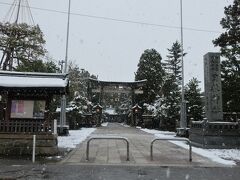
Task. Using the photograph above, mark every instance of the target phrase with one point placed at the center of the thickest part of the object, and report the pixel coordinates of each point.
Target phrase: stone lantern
(98, 110)
(136, 114)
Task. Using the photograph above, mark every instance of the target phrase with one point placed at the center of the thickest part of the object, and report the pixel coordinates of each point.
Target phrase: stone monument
(213, 87)
(213, 132)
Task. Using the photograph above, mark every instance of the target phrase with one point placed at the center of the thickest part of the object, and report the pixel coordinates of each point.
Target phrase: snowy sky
(111, 49)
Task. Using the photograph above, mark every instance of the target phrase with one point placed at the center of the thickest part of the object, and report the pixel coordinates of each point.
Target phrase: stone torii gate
(101, 87)
(133, 88)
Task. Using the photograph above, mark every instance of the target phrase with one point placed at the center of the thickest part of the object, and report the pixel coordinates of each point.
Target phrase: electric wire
(9, 12)
(14, 6)
(30, 12)
(120, 20)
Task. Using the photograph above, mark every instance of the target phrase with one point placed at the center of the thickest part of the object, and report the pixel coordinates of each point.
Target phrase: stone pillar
(213, 87)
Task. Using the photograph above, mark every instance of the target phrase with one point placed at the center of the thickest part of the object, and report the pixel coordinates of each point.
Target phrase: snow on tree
(79, 104)
(78, 88)
(229, 43)
(194, 101)
(150, 68)
(20, 43)
(169, 109)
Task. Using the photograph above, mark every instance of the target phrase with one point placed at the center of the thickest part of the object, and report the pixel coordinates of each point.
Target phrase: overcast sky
(111, 49)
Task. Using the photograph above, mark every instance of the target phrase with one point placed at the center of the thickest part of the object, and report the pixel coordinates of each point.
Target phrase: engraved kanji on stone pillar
(213, 87)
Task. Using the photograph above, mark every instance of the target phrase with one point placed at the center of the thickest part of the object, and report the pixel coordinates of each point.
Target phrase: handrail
(108, 138)
(172, 139)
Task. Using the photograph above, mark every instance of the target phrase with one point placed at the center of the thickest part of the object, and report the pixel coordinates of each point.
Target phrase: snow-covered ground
(125, 125)
(75, 137)
(223, 156)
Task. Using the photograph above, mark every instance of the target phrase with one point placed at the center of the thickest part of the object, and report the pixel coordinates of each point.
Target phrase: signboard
(27, 109)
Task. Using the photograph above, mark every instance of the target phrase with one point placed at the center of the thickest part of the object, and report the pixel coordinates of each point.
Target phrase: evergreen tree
(194, 101)
(38, 66)
(173, 63)
(20, 43)
(79, 104)
(229, 43)
(169, 111)
(150, 68)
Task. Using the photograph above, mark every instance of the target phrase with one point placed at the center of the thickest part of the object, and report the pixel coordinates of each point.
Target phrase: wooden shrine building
(24, 111)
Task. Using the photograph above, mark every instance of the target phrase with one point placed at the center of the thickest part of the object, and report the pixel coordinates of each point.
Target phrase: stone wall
(21, 144)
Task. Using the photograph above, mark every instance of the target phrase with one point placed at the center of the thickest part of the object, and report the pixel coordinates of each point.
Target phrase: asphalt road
(93, 172)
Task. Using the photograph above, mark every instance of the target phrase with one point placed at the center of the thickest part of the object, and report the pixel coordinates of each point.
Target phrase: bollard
(171, 139)
(107, 138)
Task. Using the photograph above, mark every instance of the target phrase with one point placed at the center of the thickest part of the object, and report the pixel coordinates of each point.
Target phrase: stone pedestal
(213, 132)
(215, 135)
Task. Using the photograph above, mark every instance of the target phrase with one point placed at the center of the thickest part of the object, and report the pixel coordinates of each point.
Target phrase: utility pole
(63, 100)
(67, 40)
(183, 121)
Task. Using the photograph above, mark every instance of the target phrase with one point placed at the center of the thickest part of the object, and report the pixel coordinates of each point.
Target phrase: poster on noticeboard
(27, 109)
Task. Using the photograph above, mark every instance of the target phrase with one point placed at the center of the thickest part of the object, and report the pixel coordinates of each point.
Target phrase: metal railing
(172, 139)
(107, 138)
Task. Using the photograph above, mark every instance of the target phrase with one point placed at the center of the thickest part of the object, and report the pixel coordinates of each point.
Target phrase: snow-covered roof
(98, 105)
(136, 106)
(27, 79)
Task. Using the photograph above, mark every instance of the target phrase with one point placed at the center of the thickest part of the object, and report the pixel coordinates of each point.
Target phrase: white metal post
(34, 148)
(55, 126)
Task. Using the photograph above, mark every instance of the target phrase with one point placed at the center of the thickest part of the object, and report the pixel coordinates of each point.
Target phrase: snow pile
(230, 154)
(75, 137)
(125, 125)
(160, 134)
(223, 156)
(104, 124)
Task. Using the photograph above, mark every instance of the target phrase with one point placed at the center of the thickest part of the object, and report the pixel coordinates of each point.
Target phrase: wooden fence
(25, 125)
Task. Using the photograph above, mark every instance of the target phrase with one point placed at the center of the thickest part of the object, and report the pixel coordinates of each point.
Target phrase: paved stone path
(113, 152)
